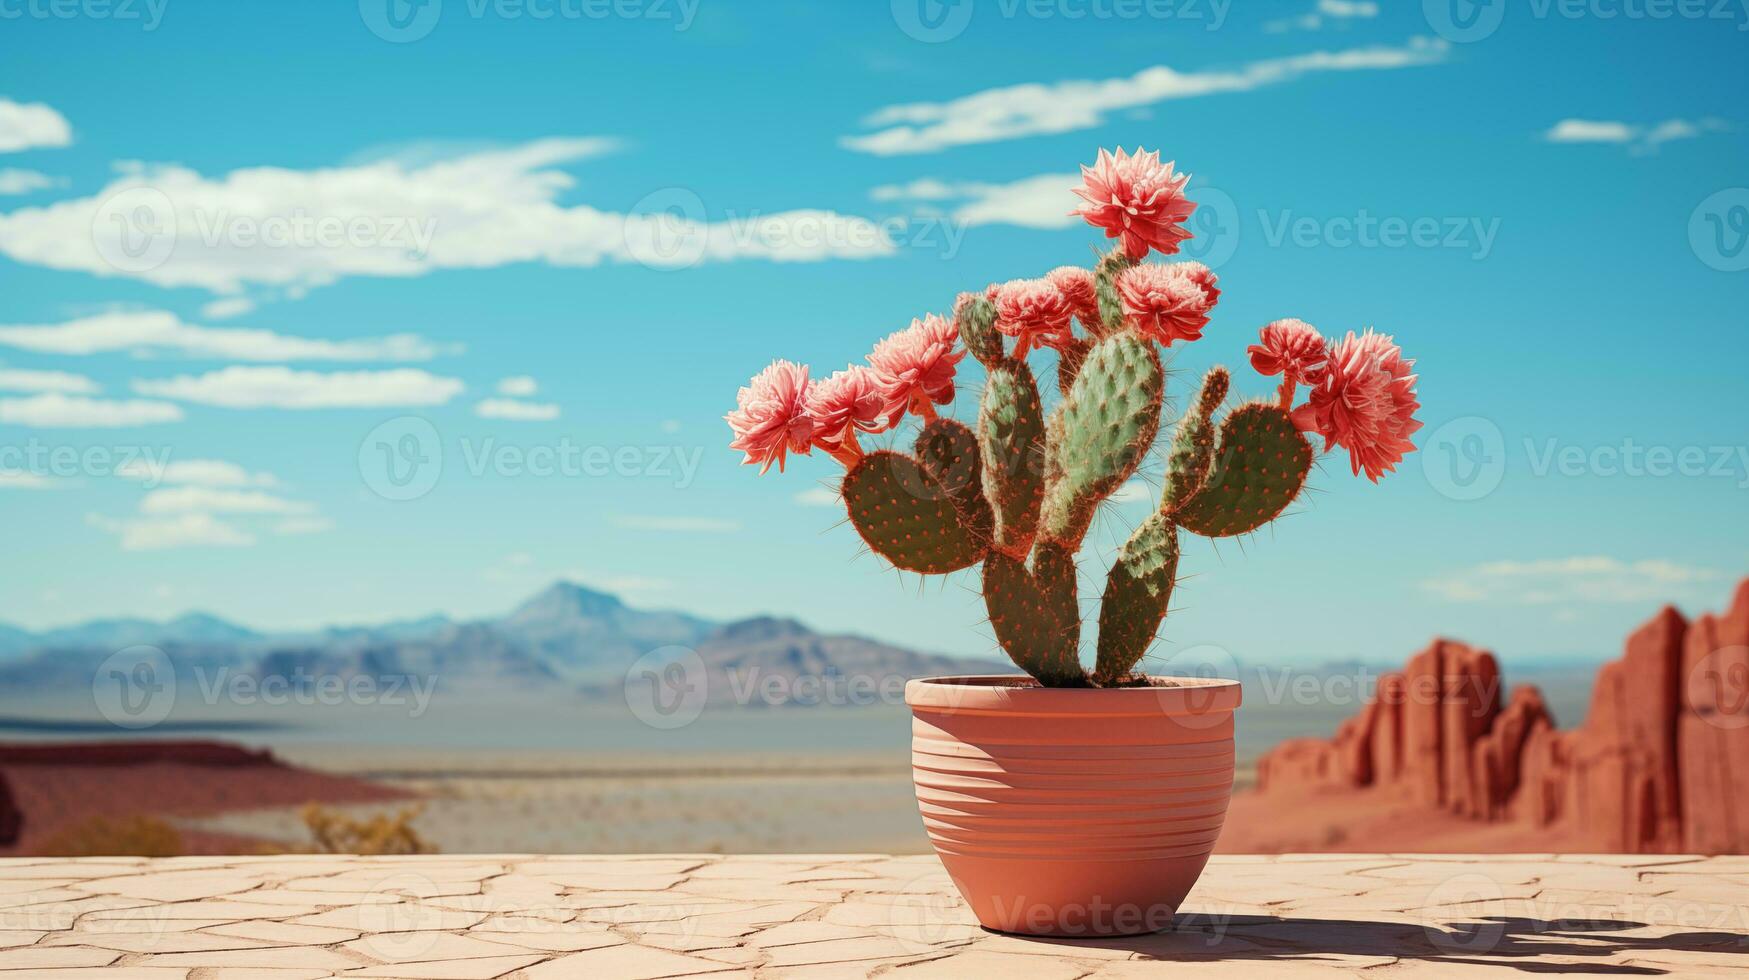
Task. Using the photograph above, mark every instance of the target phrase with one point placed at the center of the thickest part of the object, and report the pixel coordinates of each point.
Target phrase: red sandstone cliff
(1649, 770)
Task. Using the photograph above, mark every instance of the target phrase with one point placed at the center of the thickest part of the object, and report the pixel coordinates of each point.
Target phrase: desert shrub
(130, 836)
(382, 833)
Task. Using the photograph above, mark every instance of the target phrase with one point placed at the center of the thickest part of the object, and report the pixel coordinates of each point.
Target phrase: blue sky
(519, 240)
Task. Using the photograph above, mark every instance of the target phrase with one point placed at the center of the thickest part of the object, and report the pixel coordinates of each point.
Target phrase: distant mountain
(115, 634)
(771, 662)
(462, 658)
(567, 637)
(580, 632)
(14, 641)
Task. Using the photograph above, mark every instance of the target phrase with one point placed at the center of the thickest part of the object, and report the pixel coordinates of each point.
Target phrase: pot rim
(1020, 694)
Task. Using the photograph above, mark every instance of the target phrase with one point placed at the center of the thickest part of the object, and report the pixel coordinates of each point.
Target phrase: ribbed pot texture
(1072, 811)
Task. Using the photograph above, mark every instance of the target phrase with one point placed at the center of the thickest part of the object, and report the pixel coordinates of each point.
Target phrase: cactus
(976, 321)
(1036, 615)
(908, 517)
(950, 453)
(1019, 493)
(1011, 436)
(1137, 590)
(1105, 287)
(1106, 426)
(1193, 447)
(1260, 468)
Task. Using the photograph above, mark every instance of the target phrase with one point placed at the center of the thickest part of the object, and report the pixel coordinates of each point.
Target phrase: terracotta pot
(1072, 812)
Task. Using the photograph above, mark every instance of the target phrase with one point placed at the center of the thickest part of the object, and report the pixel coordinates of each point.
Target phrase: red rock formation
(193, 753)
(1469, 701)
(1387, 732)
(1650, 769)
(1497, 758)
(1712, 731)
(1423, 767)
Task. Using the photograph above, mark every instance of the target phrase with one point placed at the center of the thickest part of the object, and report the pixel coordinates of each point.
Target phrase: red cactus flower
(771, 415)
(1136, 199)
(1077, 284)
(1166, 303)
(848, 402)
(915, 366)
(1292, 348)
(1365, 403)
(1033, 311)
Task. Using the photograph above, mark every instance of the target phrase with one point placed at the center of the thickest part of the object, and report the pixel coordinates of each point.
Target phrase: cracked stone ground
(531, 917)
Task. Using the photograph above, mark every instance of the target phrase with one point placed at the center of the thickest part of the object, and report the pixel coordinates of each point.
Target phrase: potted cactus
(1078, 799)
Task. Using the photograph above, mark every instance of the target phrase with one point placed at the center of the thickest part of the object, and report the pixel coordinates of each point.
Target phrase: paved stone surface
(637, 917)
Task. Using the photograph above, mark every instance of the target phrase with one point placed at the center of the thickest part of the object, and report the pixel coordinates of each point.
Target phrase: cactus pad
(1259, 469)
(1193, 446)
(1137, 591)
(1011, 432)
(1036, 614)
(1105, 427)
(949, 452)
(1111, 265)
(976, 320)
(1069, 358)
(907, 516)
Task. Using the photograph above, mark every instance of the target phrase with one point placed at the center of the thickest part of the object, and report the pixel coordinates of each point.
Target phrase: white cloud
(1586, 578)
(227, 307)
(14, 181)
(16, 379)
(1591, 131)
(24, 126)
(280, 387)
(1043, 201)
(54, 410)
(144, 332)
(922, 189)
(1639, 138)
(304, 525)
(182, 531)
(818, 497)
(1339, 10)
(1348, 8)
(400, 216)
(214, 500)
(677, 524)
(193, 472)
(1037, 108)
(17, 480)
(520, 386)
(512, 410)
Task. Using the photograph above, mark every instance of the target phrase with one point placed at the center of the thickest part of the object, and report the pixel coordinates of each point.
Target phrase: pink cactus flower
(1365, 403)
(1166, 303)
(1292, 348)
(848, 402)
(771, 415)
(915, 366)
(1033, 311)
(1136, 199)
(1077, 284)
